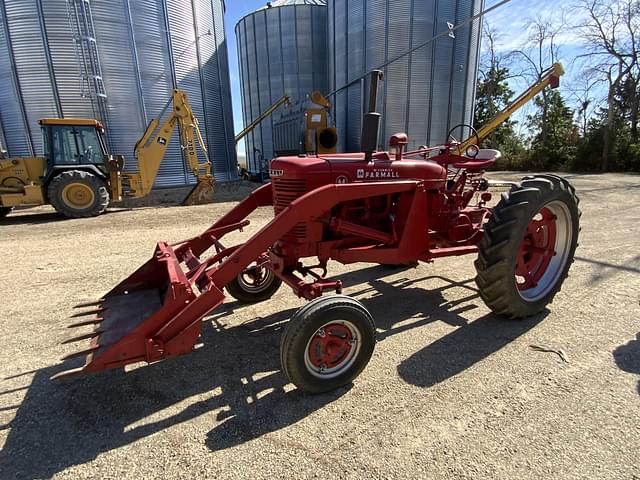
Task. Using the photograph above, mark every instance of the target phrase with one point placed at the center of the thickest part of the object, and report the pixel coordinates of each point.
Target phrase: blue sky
(235, 11)
(510, 20)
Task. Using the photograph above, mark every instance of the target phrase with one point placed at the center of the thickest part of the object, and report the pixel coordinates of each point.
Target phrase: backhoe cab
(73, 174)
(73, 142)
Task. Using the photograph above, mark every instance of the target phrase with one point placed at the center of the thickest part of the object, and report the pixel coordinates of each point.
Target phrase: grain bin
(117, 61)
(424, 93)
(282, 48)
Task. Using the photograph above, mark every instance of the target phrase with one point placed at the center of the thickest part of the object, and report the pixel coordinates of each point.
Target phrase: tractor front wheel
(327, 343)
(528, 246)
(4, 211)
(78, 194)
(255, 284)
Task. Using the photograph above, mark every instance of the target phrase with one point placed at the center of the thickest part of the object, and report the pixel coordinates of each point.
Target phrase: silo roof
(284, 3)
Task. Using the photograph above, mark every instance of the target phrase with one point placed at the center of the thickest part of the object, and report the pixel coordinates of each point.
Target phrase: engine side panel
(292, 177)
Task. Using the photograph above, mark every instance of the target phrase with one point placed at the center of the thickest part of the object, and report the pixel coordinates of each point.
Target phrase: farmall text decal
(376, 173)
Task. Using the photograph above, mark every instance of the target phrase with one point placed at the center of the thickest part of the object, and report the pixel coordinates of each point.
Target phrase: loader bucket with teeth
(145, 318)
(156, 312)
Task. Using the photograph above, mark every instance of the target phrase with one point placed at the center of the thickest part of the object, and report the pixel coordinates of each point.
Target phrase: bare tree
(492, 60)
(583, 91)
(541, 51)
(611, 30)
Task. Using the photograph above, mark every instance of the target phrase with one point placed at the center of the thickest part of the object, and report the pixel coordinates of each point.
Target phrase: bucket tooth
(88, 312)
(81, 353)
(89, 304)
(82, 337)
(68, 373)
(93, 321)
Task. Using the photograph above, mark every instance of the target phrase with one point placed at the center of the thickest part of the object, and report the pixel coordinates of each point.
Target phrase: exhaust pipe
(371, 119)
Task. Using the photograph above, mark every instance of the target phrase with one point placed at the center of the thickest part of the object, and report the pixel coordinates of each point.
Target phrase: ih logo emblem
(360, 173)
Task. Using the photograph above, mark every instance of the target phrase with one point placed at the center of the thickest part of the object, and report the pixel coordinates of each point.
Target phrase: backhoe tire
(4, 211)
(78, 194)
(327, 343)
(254, 285)
(528, 246)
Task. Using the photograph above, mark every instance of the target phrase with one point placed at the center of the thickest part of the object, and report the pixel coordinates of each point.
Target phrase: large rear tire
(78, 194)
(327, 343)
(528, 246)
(4, 211)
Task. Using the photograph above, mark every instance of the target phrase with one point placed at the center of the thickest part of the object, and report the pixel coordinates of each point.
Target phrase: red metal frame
(389, 210)
(537, 250)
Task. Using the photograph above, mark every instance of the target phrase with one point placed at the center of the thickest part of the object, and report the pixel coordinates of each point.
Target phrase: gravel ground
(451, 392)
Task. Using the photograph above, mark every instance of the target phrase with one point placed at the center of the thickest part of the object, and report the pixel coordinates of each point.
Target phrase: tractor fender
(57, 169)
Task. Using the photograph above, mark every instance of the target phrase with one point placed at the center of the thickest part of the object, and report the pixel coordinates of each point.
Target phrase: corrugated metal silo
(116, 60)
(282, 48)
(424, 93)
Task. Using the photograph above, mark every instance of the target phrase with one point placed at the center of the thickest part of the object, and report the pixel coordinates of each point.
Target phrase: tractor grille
(285, 191)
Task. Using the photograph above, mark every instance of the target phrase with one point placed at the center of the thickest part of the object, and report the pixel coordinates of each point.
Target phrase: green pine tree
(555, 136)
(493, 95)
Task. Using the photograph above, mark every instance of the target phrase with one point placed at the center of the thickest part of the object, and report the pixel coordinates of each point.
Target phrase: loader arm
(550, 78)
(151, 148)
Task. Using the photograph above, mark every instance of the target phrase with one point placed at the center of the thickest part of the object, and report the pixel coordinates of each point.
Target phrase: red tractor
(392, 207)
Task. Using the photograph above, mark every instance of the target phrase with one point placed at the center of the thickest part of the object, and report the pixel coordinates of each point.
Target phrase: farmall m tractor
(386, 207)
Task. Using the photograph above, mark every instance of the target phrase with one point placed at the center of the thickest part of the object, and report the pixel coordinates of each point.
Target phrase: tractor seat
(486, 158)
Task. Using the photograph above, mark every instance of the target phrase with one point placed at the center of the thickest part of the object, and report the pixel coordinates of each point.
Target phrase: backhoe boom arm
(150, 150)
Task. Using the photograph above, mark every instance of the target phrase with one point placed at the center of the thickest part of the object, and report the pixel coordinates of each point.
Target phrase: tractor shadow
(234, 381)
(627, 357)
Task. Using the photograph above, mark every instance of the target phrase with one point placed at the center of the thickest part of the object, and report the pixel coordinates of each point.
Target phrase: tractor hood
(352, 167)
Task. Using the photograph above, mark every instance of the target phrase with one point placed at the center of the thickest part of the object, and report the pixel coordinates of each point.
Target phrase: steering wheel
(472, 150)
(88, 154)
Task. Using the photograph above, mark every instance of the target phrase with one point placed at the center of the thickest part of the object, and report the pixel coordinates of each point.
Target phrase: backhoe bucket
(201, 194)
(146, 318)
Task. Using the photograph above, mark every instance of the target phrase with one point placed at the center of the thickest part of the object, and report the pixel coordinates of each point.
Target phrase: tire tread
(495, 262)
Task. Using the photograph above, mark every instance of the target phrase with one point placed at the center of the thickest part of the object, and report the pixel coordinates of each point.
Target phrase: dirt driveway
(451, 391)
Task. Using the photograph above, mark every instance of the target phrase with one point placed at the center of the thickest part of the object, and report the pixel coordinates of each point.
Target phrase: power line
(447, 32)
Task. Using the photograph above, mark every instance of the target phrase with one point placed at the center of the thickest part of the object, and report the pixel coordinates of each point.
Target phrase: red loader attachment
(156, 312)
(150, 316)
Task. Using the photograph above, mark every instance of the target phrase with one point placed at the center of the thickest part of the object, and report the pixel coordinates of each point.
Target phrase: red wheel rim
(255, 279)
(536, 250)
(332, 349)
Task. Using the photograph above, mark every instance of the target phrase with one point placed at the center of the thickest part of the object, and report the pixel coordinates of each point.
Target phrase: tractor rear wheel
(255, 284)
(78, 194)
(528, 246)
(4, 211)
(327, 343)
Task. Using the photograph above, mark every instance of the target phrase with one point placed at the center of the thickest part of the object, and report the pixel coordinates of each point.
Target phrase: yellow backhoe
(79, 177)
